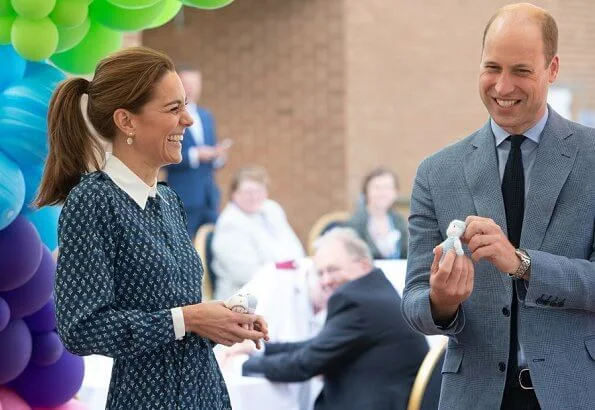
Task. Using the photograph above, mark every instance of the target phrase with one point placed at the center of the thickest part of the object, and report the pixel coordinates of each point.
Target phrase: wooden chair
(202, 243)
(323, 224)
(429, 368)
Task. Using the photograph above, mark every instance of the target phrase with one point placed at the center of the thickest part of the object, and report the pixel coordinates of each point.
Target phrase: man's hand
(207, 153)
(451, 283)
(486, 240)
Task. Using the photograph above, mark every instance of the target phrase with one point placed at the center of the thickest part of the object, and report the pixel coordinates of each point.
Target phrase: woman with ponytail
(128, 282)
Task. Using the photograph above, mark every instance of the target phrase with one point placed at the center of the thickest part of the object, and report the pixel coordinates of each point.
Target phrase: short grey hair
(353, 244)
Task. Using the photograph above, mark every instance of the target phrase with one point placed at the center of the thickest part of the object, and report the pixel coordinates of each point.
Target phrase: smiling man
(519, 306)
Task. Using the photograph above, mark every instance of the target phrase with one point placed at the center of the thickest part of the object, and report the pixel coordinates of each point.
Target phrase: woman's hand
(216, 322)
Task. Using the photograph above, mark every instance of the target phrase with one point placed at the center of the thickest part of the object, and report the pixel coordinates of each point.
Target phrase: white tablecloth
(281, 300)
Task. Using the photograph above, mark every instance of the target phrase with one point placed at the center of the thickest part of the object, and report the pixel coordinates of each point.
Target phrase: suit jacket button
(502, 367)
(506, 311)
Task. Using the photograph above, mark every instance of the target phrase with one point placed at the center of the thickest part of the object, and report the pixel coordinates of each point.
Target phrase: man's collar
(533, 133)
(128, 181)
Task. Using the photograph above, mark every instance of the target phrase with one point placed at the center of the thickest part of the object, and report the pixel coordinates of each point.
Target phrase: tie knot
(516, 140)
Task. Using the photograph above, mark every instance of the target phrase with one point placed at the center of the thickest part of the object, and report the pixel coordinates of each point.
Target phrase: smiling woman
(128, 281)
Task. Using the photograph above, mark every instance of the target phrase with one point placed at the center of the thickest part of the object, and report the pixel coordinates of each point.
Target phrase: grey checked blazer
(556, 309)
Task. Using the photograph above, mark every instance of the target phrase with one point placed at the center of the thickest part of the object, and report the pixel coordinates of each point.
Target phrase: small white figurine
(242, 303)
(455, 230)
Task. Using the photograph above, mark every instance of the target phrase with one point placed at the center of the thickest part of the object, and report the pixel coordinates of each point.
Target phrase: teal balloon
(33, 9)
(118, 18)
(34, 39)
(133, 4)
(12, 67)
(32, 176)
(23, 136)
(12, 191)
(44, 73)
(69, 13)
(70, 37)
(207, 4)
(6, 28)
(46, 222)
(82, 58)
(172, 7)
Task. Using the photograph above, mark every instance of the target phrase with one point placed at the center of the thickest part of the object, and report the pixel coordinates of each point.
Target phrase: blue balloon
(23, 135)
(44, 319)
(12, 191)
(45, 73)
(15, 350)
(29, 95)
(47, 348)
(12, 67)
(32, 177)
(46, 222)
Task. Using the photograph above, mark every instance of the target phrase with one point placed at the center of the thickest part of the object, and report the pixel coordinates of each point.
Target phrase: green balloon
(6, 8)
(121, 19)
(34, 40)
(33, 9)
(5, 28)
(172, 7)
(82, 58)
(69, 13)
(70, 37)
(207, 4)
(133, 4)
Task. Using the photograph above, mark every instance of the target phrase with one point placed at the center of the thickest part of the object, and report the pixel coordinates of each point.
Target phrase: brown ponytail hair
(125, 79)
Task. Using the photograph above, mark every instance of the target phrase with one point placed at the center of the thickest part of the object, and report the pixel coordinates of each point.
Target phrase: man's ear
(124, 121)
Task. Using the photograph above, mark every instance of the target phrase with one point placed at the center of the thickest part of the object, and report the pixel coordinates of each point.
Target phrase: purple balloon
(4, 314)
(20, 253)
(44, 319)
(31, 297)
(47, 348)
(51, 386)
(15, 350)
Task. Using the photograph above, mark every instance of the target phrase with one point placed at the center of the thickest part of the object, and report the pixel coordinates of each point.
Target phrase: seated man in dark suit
(366, 353)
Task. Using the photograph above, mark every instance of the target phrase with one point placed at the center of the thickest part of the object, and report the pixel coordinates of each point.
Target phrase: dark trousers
(516, 398)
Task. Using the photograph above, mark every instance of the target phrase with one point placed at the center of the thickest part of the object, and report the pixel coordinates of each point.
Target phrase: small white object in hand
(242, 303)
(455, 230)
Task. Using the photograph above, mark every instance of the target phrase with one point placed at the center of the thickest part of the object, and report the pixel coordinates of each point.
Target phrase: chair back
(325, 223)
(203, 244)
(425, 393)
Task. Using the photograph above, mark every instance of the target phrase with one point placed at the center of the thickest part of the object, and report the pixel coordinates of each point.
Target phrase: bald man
(519, 306)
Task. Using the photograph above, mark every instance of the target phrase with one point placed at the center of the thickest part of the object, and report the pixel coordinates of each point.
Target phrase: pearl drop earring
(129, 140)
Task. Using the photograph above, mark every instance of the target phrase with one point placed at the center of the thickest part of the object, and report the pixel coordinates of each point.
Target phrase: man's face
(192, 82)
(513, 78)
(335, 266)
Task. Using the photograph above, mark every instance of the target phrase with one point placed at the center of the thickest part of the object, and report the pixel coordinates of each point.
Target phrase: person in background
(375, 221)
(193, 178)
(366, 353)
(252, 230)
(128, 281)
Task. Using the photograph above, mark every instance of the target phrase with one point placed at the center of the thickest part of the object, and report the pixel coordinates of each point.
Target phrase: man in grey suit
(519, 306)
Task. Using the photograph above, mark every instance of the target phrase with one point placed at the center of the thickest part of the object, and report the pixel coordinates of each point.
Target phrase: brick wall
(320, 91)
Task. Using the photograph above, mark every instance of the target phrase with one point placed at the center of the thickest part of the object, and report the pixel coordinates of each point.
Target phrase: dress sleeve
(88, 321)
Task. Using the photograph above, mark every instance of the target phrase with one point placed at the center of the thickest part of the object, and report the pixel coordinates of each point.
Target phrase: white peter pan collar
(129, 182)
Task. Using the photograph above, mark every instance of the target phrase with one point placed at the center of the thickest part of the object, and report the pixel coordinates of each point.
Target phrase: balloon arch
(36, 372)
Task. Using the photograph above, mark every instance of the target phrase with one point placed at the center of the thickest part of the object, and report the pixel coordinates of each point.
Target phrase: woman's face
(381, 192)
(250, 196)
(159, 126)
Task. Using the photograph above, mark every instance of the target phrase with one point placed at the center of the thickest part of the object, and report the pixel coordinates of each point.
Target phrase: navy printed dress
(120, 271)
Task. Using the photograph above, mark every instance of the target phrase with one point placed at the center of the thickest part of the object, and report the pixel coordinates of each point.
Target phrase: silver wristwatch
(522, 271)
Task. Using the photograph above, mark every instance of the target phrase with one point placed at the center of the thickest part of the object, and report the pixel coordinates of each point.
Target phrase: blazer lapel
(555, 157)
(483, 177)
(483, 180)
